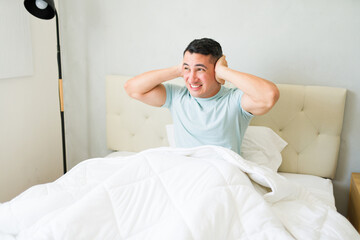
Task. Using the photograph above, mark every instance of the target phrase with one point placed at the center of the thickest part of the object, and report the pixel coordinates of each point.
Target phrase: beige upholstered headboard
(309, 118)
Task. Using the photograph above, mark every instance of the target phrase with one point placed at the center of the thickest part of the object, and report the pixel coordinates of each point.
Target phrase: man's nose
(192, 75)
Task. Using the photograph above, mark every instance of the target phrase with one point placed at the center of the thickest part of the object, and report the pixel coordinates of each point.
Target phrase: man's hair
(205, 46)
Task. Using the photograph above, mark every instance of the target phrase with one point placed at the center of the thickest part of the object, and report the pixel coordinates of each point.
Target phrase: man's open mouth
(195, 86)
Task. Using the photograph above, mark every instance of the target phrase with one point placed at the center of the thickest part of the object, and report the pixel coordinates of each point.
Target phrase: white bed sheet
(320, 187)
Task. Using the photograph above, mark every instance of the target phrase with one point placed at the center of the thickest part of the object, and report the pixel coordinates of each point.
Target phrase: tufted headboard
(309, 118)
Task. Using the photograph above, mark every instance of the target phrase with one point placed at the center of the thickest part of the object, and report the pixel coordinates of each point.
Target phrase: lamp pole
(45, 9)
(61, 95)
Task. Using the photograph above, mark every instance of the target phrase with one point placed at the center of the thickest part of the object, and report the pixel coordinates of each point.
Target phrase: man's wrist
(177, 71)
(220, 72)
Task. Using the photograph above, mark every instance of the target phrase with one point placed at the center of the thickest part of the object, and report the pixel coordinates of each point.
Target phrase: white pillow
(263, 146)
(260, 144)
(170, 135)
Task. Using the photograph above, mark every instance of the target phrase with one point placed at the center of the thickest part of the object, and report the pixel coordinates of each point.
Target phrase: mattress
(321, 188)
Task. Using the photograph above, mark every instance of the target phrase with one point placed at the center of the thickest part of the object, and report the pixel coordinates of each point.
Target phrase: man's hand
(221, 62)
(180, 69)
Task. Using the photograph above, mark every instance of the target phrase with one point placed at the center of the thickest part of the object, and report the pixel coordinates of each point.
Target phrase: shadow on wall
(343, 172)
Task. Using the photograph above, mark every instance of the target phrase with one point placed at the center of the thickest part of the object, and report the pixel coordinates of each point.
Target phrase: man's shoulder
(231, 92)
(176, 88)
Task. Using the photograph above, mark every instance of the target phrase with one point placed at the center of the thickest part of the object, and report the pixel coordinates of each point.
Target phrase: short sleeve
(172, 92)
(169, 94)
(245, 113)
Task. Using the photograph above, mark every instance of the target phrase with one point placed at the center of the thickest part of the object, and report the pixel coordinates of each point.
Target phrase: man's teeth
(194, 86)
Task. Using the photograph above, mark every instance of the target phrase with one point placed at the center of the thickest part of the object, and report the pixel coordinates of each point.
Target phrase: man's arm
(148, 87)
(260, 95)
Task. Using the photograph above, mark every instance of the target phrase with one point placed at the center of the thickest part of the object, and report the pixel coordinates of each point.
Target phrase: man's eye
(201, 69)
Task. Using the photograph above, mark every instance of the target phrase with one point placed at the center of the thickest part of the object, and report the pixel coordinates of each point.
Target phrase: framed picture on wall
(15, 40)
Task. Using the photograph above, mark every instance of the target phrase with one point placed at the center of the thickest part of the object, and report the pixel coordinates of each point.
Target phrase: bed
(279, 188)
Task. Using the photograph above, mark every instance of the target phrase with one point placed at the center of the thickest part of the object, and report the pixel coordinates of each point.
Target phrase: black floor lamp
(45, 9)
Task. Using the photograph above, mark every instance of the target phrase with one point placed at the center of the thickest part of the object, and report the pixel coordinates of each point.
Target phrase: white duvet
(167, 193)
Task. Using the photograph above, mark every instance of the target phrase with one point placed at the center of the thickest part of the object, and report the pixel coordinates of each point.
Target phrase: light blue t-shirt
(218, 120)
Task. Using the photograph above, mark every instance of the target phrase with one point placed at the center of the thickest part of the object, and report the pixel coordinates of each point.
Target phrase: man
(204, 112)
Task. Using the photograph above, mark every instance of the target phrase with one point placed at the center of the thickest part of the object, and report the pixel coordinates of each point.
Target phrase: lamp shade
(44, 9)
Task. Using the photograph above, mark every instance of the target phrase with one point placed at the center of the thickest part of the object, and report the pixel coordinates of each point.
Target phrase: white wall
(30, 138)
(285, 41)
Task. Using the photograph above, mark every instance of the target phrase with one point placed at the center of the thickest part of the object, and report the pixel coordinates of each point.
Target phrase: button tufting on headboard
(147, 124)
(310, 119)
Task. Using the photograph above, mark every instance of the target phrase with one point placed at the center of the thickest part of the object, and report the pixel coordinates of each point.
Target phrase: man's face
(199, 75)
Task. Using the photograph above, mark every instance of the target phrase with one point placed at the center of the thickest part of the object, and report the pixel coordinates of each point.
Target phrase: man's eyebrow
(201, 65)
(196, 65)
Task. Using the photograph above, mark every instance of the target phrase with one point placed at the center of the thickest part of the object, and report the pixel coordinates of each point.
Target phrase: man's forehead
(197, 59)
